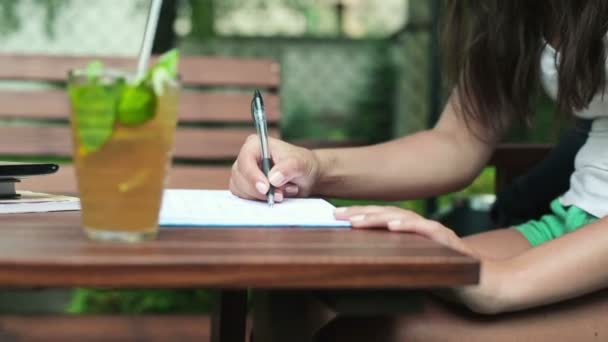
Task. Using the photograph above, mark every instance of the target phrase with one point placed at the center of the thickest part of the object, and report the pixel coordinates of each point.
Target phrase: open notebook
(33, 202)
(219, 208)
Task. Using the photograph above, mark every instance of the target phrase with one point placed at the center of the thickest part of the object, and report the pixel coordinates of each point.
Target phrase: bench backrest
(214, 116)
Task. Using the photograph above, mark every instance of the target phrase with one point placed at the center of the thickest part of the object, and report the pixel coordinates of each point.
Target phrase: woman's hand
(401, 220)
(295, 171)
(484, 298)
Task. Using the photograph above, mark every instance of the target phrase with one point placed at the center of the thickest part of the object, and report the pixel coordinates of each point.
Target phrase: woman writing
(500, 53)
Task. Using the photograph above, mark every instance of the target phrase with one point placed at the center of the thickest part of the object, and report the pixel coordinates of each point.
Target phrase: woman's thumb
(285, 171)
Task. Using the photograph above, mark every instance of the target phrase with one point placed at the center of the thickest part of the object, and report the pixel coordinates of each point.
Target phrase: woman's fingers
(432, 230)
(294, 172)
(380, 219)
(278, 195)
(285, 170)
(400, 220)
(247, 179)
(374, 216)
(291, 190)
(418, 225)
(240, 186)
(346, 213)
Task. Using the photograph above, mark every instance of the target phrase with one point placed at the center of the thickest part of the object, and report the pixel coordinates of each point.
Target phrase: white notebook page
(33, 202)
(219, 208)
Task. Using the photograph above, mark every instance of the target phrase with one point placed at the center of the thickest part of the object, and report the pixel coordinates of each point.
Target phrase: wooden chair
(214, 115)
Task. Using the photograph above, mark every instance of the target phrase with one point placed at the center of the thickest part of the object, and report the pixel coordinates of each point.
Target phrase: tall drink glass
(123, 137)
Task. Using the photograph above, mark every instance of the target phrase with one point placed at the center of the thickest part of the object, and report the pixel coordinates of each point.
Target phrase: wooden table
(50, 250)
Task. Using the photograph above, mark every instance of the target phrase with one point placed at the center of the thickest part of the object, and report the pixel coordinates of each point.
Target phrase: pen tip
(257, 98)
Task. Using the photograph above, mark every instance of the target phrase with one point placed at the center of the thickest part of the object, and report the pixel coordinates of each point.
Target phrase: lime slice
(137, 105)
(98, 106)
(138, 102)
(94, 107)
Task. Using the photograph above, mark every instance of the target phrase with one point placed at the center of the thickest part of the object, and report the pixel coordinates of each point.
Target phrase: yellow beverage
(123, 137)
(121, 184)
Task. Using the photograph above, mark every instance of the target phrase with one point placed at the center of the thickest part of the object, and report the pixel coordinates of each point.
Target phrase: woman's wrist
(321, 166)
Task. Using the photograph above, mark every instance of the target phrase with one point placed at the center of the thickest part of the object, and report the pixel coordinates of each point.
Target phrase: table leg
(298, 316)
(229, 319)
(293, 316)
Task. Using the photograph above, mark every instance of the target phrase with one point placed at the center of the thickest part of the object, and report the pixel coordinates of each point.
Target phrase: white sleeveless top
(589, 182)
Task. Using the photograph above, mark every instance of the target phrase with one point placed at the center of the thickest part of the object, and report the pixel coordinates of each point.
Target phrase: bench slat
(193, 107)
(202, 71)
(191, 143)
(180, 177)
(224, 107)
(105, 328)
(225, 71)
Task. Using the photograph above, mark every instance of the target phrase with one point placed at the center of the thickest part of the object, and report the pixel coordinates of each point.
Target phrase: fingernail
(340, 210)
(276, 178)
(395, 223)
(357, 218)
(291, 189)
(278, 197)
(262, 187)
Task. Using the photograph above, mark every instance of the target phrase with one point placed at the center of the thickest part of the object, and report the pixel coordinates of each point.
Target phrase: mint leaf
(97, 107)
(94, 70)
(94, 109)
(137, 105)
(163, 71)
(168, 61)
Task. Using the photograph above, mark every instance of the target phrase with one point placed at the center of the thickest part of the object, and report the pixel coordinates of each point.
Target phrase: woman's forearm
(489, 296)
(565, 268)
(417, 166)
(445, 158)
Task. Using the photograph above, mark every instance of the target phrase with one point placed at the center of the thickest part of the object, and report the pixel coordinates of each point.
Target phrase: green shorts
(563, 220)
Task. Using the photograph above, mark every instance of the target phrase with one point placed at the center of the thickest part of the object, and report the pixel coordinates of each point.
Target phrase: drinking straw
(146, 46)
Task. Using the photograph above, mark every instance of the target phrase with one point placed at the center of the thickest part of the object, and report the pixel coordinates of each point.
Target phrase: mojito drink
(123, 132)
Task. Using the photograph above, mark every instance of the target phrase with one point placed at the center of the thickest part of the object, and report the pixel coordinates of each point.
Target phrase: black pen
(259, 118)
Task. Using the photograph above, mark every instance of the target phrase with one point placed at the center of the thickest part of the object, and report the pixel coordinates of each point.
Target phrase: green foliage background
(140, 301)
(10, 20)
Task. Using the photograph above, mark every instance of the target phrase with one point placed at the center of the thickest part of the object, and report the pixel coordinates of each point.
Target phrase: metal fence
(332, 87)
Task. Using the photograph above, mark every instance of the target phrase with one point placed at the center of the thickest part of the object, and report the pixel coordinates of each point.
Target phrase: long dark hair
(493, 49)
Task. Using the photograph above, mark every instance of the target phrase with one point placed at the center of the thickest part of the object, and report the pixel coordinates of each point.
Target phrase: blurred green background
(362, 71)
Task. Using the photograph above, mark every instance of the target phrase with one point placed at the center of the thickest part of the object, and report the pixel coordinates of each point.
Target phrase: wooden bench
(214, 115)
(214, 121)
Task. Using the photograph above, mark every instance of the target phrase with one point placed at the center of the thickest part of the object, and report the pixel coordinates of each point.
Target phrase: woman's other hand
(401, 220)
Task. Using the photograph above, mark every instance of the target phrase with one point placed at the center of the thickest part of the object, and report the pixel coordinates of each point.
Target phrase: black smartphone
(21, 170)
(11, 172)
